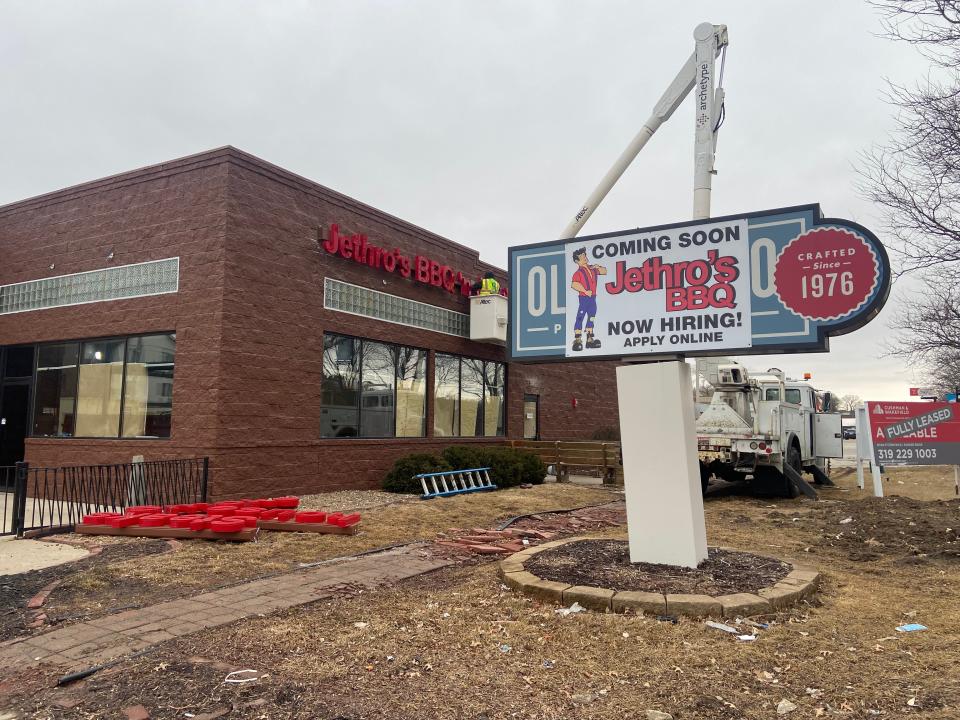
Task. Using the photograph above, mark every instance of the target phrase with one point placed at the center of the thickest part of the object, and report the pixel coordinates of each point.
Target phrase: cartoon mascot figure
(585, 283)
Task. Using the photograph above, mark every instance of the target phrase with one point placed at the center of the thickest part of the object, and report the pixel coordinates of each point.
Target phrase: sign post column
(661, 471)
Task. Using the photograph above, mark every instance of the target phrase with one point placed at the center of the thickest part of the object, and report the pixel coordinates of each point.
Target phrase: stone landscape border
(800, 582)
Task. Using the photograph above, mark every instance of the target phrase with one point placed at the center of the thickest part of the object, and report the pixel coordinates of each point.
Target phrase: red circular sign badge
(826, 273)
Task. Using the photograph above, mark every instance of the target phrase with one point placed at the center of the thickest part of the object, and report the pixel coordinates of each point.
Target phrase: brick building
(219, 305)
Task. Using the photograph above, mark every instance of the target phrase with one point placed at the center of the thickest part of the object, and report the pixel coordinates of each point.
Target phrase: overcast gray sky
(486, 121)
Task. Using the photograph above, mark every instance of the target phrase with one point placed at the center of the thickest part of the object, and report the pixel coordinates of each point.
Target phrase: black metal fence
(40, 500)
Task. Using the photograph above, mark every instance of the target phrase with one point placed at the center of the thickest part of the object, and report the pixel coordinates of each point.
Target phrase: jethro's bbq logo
(357, 247)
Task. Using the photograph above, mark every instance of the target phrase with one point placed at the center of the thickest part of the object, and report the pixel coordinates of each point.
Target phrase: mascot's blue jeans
(588, 310)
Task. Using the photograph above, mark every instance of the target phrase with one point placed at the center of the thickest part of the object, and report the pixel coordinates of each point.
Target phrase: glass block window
(127, 281)
(357, 300)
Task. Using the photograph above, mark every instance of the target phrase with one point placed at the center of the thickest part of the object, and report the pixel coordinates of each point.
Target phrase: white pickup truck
(767, 430)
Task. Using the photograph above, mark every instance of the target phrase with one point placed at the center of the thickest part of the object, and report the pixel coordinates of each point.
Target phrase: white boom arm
(697, 71)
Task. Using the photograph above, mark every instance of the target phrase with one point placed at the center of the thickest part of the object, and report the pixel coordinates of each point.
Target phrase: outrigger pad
(802, 485)
(819, 476)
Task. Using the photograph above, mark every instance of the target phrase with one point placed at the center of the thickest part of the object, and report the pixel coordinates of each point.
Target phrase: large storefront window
(121, 387)
(411, 392)
(148, 393)
(55, 392)
(100, 388)
(468, 397)
(372, 389)
(446, 396)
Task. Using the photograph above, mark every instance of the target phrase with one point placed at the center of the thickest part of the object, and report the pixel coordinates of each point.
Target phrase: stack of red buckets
(226, 516)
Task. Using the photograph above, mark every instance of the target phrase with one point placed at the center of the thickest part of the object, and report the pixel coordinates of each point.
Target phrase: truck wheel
(793, 460)
(704, 478)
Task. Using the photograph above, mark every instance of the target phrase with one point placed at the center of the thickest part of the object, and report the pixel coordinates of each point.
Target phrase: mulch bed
(606, 564)
(17, 590)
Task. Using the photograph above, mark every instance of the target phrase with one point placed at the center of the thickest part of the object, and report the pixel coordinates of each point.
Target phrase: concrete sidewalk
(19, 555)
(98, 641)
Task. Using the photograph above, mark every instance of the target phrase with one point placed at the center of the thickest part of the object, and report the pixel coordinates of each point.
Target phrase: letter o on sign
(537, 296)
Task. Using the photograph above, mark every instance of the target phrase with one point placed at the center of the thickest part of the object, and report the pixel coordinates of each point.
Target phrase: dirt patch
(606, 564)
(898, 527)
(17, 590)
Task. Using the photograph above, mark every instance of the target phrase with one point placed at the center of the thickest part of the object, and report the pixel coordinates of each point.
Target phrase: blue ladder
(454, 482)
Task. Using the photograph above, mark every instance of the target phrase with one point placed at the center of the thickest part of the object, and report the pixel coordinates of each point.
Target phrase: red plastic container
(269, 514)
(267, 503)
(332, 518)
(347, 520)
(227, 525)
(123, 521)
(100, 518)
(184, 521)
(287, 502)
(221, 511)
(201, 507)
(251, 511)
(250, 520)
(285, 515)
(142, 509)
(310, 516)
(201, 524)
(155, 520)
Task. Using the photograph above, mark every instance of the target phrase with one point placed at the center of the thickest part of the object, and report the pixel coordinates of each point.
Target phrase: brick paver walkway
(97, 641)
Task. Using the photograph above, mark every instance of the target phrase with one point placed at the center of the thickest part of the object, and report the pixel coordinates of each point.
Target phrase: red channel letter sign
(422, 269)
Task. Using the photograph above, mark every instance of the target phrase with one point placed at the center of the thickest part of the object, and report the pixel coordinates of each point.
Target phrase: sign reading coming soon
(766, 282)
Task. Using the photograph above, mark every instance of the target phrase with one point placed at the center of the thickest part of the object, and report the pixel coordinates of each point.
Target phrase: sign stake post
(661, 469)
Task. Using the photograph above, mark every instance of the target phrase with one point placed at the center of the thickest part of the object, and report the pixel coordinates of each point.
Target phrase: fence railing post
(136, 483)
(20, 497)
(203, 482)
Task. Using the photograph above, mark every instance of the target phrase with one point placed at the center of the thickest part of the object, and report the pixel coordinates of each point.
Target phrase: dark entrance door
(14, 413)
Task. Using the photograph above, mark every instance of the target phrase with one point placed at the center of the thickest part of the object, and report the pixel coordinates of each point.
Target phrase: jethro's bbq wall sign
(422, 269)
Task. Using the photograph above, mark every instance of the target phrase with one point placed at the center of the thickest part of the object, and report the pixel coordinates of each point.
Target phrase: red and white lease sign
(915, 433)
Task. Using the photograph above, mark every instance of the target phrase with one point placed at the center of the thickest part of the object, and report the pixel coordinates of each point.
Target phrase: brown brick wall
(250, 320)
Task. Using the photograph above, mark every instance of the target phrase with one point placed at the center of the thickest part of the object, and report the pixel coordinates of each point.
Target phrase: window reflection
(340, 391)
(446, 396)
(55, 392)
(471, 397)
(379, 370)
(411, 392)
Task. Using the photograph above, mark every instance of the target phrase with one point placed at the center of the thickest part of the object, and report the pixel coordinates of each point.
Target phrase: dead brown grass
(930, 482)
(457, 644)
(197, 565)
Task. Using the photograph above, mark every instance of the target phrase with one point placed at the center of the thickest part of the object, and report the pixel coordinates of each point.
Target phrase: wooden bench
(564, 455)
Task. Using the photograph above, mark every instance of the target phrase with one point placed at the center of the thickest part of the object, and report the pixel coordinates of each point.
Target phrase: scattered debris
(136, 712)
(238, 680)
(505, 649)
(549, 664)
(785, 707)
(846, 520)
(575, 608)
(911, 627)
(721, 626)
(657, 715)
(732, 630)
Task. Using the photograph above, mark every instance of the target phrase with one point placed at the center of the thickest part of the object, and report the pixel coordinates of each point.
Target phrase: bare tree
(915, 178)
(848, 403)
